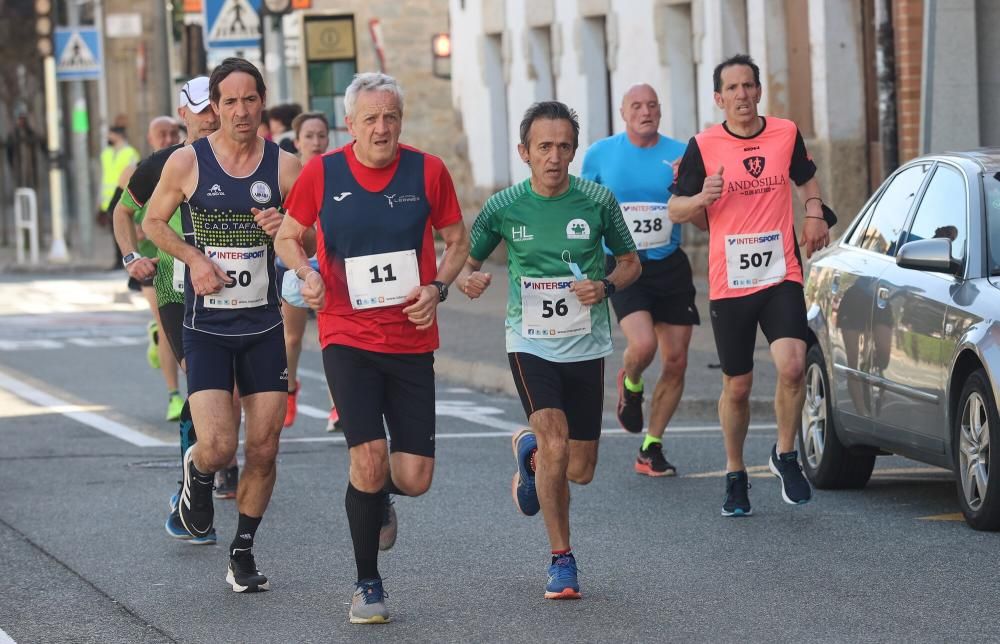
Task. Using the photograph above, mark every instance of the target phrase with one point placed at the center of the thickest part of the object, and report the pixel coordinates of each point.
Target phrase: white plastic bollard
(26, 219)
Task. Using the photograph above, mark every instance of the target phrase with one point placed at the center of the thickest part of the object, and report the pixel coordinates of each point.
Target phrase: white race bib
(247, 268)
(384, 279)
(755, 259)
(648, 223)
(550, 310)
(178, 277)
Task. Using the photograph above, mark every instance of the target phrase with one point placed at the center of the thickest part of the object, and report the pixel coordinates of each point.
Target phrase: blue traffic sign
(232, 24)
(78, 53)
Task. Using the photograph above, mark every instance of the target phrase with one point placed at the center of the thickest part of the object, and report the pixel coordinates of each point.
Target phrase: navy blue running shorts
(780, 310)
(576, 388)
(256, 363)
(369, 386)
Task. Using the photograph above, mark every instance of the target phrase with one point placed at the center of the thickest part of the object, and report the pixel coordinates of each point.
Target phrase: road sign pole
(83, 196)
(57, 253)
(102, 81)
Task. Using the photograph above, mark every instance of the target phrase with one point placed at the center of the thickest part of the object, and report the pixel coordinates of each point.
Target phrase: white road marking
(313, 412)
(5, 638)
(87, 342)
(57, 405)
(312, 375)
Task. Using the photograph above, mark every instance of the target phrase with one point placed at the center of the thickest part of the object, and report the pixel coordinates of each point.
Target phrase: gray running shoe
(368, 603)
(226, 482)
(387, 534)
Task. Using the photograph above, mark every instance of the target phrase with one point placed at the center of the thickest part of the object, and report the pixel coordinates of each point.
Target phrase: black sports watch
(131, 257)
(609, 288)
(442, 289)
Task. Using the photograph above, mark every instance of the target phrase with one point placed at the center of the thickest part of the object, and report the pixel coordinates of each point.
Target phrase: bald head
(162, 133)
(641, 112)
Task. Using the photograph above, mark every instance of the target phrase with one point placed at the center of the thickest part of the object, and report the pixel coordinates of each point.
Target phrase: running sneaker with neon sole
(737, 502)
(333, 421)
(243, 575)
(795, 489)
(629, 406)
(174, 407)
(293, 408)
(175, 529)
(196, 509)
(152, 352)
(390, 525)
(562, 579)
(651, 462)
(368, 603)
(226, 482)
(522, 487)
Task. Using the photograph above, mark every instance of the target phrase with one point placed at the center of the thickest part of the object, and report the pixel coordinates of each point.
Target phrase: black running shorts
(665, 289)
(377, 391)
(172, 326)
(576, 388)
(255, 362)
(780, 310)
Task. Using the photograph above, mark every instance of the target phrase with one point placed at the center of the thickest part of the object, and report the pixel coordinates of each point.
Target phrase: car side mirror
(928, 255)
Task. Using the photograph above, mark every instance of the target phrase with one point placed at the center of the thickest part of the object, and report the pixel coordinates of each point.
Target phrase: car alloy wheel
(974, 450)
(814, 416)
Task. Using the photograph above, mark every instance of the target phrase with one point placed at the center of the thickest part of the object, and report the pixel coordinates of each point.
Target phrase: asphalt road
(85, 558)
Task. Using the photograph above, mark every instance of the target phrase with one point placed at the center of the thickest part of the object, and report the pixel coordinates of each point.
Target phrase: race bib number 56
(755, 259)
(550, 310)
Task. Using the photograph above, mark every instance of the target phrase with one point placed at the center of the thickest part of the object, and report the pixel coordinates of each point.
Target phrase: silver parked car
(904, 313)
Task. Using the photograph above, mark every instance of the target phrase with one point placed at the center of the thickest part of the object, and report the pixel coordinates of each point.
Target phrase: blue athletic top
(640, 179)
(218, 220)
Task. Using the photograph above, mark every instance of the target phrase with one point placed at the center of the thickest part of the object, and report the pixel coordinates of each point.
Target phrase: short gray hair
(371, 82)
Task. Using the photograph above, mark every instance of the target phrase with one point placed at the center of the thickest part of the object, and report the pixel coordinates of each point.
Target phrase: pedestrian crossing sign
(78, 53)
(232, 24)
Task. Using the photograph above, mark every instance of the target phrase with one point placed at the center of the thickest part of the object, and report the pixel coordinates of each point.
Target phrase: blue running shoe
(368, 603)
(523, 485)
(175, 529)
(562, 579)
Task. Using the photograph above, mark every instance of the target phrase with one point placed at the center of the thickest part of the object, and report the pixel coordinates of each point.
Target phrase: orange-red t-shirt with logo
(752, 242)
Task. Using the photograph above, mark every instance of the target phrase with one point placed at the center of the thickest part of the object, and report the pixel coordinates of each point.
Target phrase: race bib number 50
(550, 310)
(756, 259)
(247, 270)
(383, 279)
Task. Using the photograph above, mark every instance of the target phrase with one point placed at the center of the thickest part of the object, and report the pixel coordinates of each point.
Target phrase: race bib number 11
(382, 279)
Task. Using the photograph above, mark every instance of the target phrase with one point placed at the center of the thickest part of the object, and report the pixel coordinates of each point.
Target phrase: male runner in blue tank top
(658, 311)
(229, 186)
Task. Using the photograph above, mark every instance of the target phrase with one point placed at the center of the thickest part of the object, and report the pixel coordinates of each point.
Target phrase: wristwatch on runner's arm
(131, 257)
(442, 289)
(609, 288)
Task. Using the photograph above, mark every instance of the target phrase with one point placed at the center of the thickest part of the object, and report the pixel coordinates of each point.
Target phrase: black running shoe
(652, 462)
(243, 575)
(737, 503)
(629, 406)
(795, 488)
(196, 509)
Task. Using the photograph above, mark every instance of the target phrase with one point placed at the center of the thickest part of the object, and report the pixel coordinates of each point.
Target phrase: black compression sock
(246, 529)
(364, 515)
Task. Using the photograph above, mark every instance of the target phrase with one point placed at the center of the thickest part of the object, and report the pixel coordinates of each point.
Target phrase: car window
(943, 211)
(882, 233)
(857, 235)
(991, 185)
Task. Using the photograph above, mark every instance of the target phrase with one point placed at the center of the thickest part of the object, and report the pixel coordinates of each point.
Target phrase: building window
(594, 46)
(497, 87)
(331, 63)
(541, 62)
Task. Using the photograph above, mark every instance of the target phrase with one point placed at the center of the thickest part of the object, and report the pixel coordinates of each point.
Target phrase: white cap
(194, 94)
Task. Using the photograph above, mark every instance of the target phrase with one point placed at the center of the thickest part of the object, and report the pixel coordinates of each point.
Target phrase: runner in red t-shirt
(736, 178)
(373, 203)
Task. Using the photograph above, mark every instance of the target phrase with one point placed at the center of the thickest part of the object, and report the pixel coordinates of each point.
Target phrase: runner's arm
(289, 244)
(123, 224)
(816, 228)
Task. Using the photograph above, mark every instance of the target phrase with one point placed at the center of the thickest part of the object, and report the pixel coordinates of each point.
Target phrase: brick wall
(908, 26)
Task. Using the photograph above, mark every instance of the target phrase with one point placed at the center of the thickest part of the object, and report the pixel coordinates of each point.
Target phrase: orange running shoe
(292, 408)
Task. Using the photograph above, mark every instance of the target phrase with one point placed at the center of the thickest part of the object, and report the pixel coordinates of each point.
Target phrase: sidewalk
(472, 351)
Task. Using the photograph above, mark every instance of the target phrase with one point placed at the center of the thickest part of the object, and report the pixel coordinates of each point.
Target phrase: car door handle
(883, 297)
(835, 283)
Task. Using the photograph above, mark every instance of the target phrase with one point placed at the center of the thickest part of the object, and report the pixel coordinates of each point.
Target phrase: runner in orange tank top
(736, 179)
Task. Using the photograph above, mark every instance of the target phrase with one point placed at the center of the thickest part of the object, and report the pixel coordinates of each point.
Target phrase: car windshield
(991, 189)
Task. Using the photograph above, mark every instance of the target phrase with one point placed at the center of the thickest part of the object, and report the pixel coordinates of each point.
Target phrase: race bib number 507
(755, 259)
